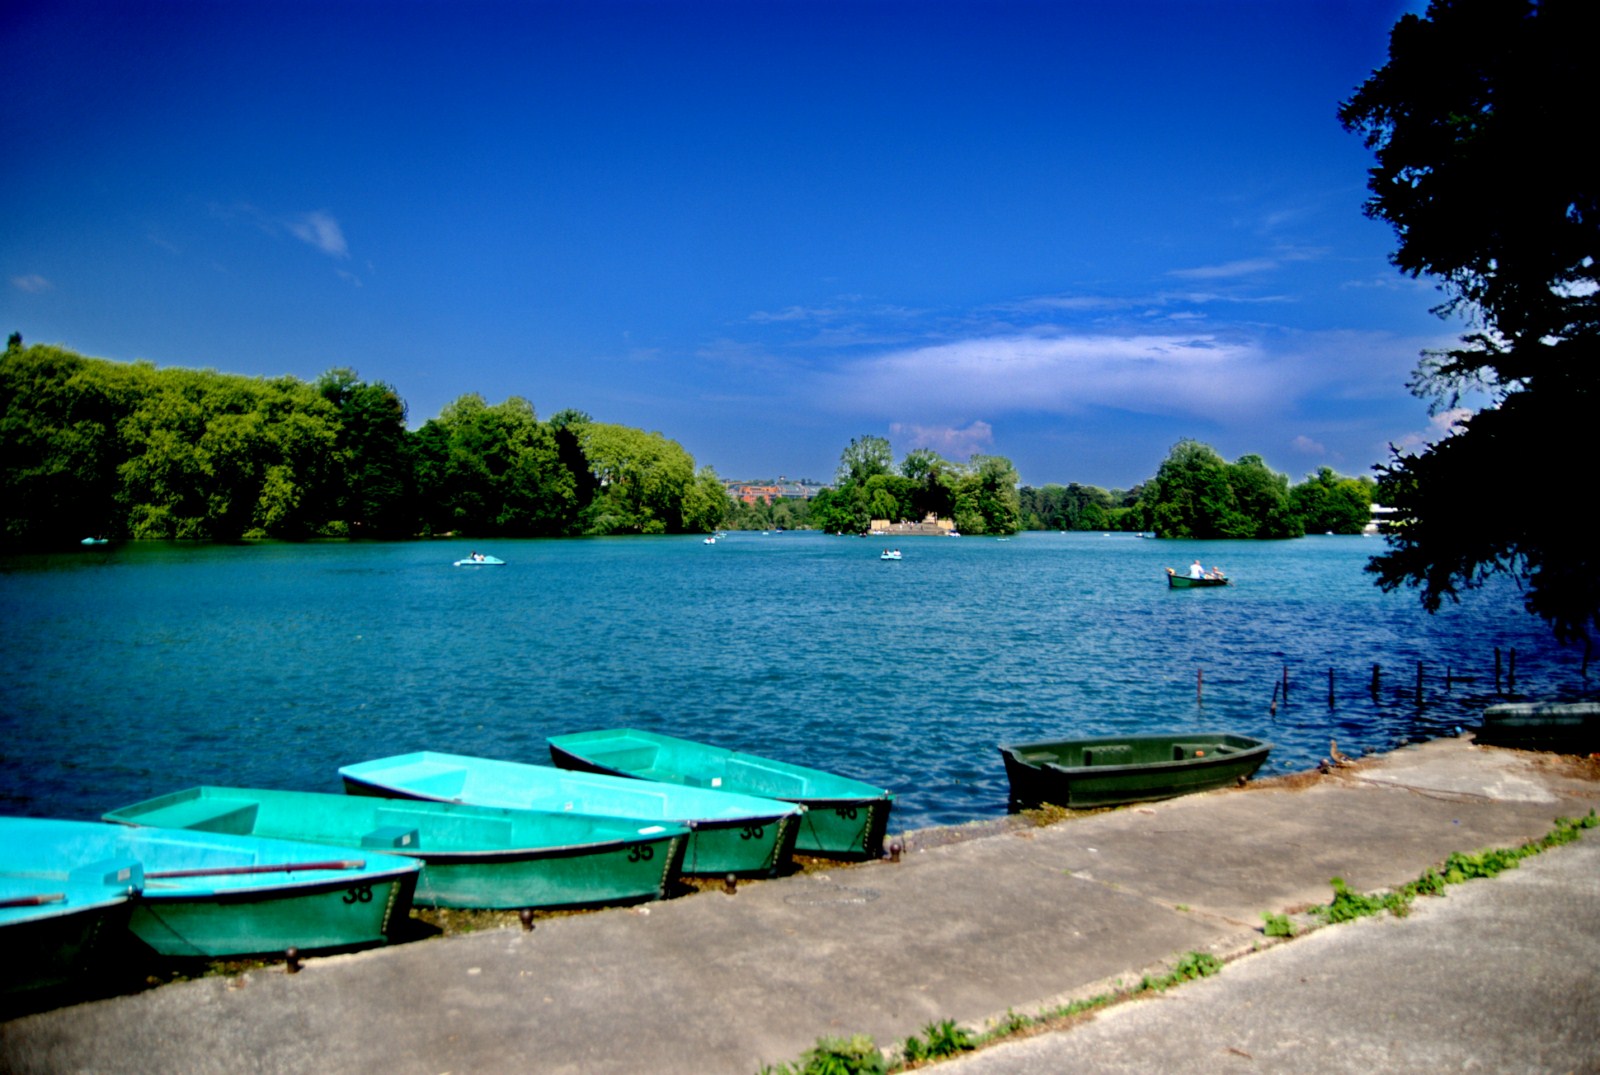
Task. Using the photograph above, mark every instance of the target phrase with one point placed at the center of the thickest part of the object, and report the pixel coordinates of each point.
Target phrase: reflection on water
(138, 670)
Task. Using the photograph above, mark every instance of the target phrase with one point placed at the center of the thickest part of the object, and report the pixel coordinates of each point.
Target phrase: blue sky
(1069, 233)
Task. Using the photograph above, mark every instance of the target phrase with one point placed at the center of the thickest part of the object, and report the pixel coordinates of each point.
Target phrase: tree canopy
(1197, 494)
(1479, 123)
(90, 447)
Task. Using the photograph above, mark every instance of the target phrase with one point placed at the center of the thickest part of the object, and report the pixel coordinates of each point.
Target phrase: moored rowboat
(843, 818)
(1112, 770)
(211, 894)
(739, 834)
(54, 923)
(474, 856)
(1563, 727)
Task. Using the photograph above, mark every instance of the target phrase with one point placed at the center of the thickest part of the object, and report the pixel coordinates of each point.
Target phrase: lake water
(132, 671)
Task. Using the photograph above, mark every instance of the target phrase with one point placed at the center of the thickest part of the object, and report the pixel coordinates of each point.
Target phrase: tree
(866, 457)
(643, 478)
(1189, 494)
(1327, 503)
(706, 503)
(374, 495)
(1479, 123)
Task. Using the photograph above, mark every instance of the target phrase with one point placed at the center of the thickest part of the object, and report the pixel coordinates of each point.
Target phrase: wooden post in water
(1199, 686)
(1511, 672)
(1419, 682)
(1330, 688)
(1497, 669)
(1376, 673)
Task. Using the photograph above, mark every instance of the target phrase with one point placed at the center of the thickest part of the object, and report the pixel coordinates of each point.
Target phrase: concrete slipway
(1499, 975)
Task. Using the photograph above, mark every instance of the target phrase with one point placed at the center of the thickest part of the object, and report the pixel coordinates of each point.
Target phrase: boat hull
(348, 913)
(844, 818)
(474, 857)
(55, 930)
(738, 834)
(1562, 727)
(212, 895)
(1184, 582)
(1113, 770)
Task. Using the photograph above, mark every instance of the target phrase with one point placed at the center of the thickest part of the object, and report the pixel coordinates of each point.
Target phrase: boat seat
(628, 759)
(1111, 754)
(233, 816)
(391, 836)
(112, 871)
(1185, 751)
(760, 780)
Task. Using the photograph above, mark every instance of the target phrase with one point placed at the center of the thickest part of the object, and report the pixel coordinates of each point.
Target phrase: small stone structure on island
(930, 526)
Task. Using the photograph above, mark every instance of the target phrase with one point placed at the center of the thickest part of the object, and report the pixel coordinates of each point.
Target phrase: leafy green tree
(1478, 124)
(1189, 494)
(986, 499)
(59, 446)
(1327, 503)
(489, 470)
(1261, 507)
(642, 476)
(706, 504)
(375, 495)
(865, 457)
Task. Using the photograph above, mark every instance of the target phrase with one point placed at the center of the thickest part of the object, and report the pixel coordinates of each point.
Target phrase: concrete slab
(1496, 976)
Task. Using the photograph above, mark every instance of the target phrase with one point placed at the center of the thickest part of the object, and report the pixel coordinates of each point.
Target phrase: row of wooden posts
(1505, 680)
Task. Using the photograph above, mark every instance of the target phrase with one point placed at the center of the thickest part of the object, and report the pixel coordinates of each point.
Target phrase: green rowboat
(55, 924)
(1184, 582)
(473, 856)
(212, 895)
(1562, 727)
(843, 818)
(1110, 771)
(738, 834)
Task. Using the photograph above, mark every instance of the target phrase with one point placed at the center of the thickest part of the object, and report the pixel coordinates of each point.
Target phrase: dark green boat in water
(473, 856)
(1112, 770)
(843, 818)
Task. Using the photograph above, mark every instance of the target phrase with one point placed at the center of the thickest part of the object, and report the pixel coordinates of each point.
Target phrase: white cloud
(1307, 446)
(948, 441)
(1442, 425)
(32, 283)
(321, 230)
(1152, 374)
(1227, 270)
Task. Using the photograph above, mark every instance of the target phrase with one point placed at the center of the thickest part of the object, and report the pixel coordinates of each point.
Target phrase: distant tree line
(979, 496)
(92, 447)
(1198, 494)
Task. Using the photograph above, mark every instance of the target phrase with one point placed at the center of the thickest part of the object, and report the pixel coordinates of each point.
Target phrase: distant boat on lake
(1189, 582)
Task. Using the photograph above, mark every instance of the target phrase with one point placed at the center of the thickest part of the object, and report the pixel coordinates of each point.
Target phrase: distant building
(767, 491)
(930, 526)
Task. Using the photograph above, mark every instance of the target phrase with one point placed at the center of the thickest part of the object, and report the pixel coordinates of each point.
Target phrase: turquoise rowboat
(1112, 770)
(474, 856)
(211, 895)
(54, 924)
(737, 834)
(843, 818)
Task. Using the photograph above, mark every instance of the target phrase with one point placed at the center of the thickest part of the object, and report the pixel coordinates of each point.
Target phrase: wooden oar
(282, 867)
(34, 901)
